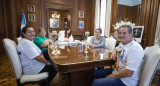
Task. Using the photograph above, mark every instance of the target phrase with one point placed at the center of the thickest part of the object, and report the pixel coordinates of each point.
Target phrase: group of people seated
(128, 56)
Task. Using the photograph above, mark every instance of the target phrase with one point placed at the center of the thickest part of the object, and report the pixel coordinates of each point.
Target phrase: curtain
(108, 18)
(97, 14)
(103, 15)
(157, 35)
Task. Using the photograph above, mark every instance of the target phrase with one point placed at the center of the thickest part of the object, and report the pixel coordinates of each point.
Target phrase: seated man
(129, 59)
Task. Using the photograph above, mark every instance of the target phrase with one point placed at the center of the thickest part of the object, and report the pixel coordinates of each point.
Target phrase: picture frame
(81, 14)
(54, 23)
(31, 8)
(138, 33)
(81, 25)
(87, 33)
(31, 17)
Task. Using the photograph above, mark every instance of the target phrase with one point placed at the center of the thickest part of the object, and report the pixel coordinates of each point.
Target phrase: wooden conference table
(79, 66)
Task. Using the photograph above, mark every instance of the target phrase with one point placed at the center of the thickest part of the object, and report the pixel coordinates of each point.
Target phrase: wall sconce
(55, 15)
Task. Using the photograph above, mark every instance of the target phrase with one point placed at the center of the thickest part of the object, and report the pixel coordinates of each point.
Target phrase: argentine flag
(23, 23)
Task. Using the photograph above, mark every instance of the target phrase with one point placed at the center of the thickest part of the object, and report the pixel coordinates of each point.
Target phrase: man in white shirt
(129, 60)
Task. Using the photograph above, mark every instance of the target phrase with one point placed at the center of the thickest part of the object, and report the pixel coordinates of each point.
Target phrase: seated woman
(42, 42)
(66, 36)
(97, 41)
(32, 59)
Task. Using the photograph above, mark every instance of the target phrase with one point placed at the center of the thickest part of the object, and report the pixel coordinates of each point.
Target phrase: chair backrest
(54, 32)
(61, 32)
(151, 60)
(11, 50)
(110, 43)
(18, 39)
(88, 39)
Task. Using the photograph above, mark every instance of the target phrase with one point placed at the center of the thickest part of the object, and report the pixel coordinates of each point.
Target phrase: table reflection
(70, 55)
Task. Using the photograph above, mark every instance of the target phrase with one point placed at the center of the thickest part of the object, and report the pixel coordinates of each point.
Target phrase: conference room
(72, 42)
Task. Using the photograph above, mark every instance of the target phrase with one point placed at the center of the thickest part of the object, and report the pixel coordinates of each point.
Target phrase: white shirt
(132, 59)
(28, 51)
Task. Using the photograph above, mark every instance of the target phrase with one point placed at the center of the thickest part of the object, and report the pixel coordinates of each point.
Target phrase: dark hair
(130, 30)
(25, 29)
(69, 33)
(100, 30)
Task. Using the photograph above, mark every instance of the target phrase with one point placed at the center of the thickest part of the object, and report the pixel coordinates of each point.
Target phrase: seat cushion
(36, 77)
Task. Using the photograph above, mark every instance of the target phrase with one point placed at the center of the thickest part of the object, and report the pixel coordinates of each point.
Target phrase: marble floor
(7, 76)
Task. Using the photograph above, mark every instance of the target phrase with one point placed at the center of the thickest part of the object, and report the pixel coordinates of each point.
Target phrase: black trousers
(46, 55)
(51, 70)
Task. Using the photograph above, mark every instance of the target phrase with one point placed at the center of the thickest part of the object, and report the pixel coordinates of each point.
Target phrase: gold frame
(81, 14)
(31, 8)
(31, 17)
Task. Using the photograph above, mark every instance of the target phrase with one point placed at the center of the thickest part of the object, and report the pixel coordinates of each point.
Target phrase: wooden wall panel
(148, 19)
(38, 6)
(2, 51)
(113, 15)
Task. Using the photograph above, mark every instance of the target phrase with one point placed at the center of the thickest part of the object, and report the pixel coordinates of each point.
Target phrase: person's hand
(50, 41)
(46, 41)
(91, 45)
(108, 76)
(114, 56)
(66, 40)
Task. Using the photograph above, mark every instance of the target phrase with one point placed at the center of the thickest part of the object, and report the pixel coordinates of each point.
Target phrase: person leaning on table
(42, 42)
(32, 59)
(97, 41)
(129, 56)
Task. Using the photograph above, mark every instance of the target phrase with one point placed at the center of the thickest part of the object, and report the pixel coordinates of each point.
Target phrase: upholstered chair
(61, 35)
(89, 39)
(110, 43)
(151, 60)
(18, 39)
(41, 78)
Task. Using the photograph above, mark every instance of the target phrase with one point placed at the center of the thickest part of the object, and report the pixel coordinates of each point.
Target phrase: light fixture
(55, 15)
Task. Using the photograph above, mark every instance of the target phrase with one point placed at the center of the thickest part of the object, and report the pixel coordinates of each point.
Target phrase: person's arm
(114, 54)
(121, 74)
(45, 43)
(101, 45)
(41, 59)
(91, 42)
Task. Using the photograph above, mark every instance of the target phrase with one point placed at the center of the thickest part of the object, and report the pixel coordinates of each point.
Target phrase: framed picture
(81, 24)
(54, 23)
(87, 33)
(31, 18)
(81, 14)
(138, 33)
(31, 8)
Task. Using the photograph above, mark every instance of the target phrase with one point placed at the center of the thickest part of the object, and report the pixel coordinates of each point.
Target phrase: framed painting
(138, 33)
(81, 24)
(31, 8)
(87, 33)
(31, 18)
(81, 14)
(54, 23)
